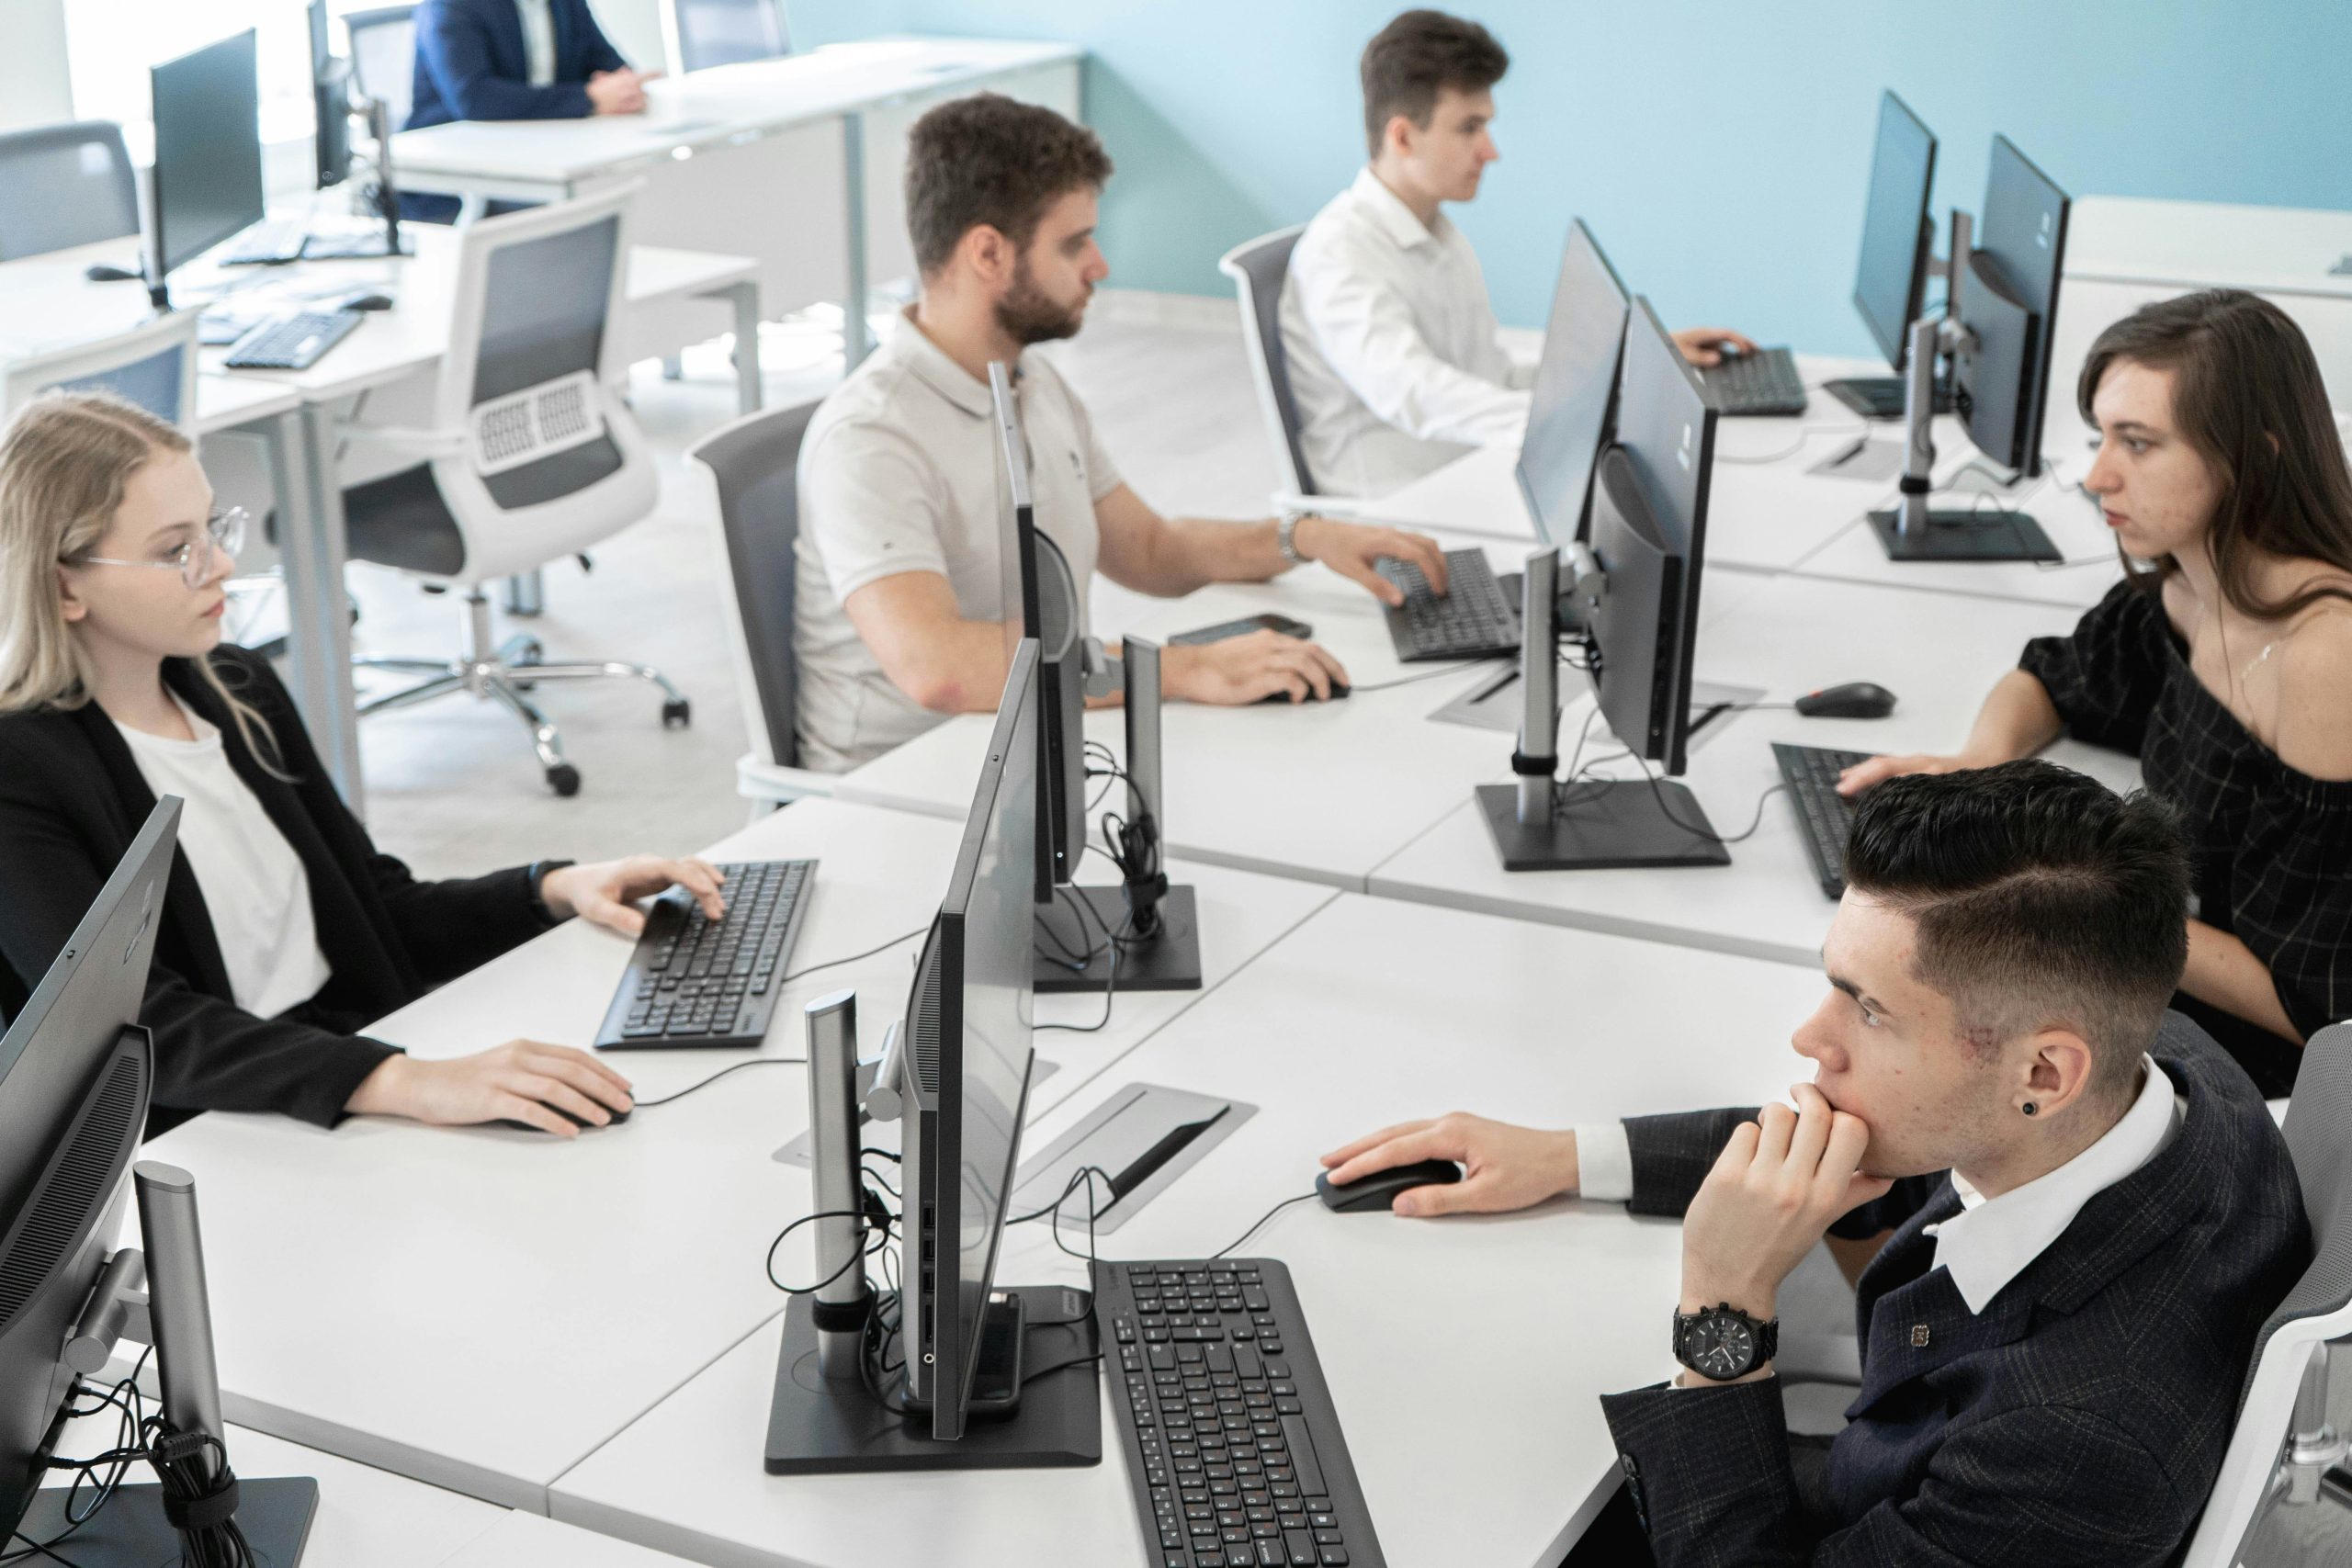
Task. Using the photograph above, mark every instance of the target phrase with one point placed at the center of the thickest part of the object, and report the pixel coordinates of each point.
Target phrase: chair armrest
(399, 438)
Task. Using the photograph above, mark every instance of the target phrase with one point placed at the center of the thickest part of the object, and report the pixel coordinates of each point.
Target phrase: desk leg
(471, 207)
(311, 542)
(746, 296)
(857, 338)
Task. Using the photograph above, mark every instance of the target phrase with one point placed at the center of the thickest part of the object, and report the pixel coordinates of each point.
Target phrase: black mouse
(101, 273)
(618, 1118)
(1339, 689)
(369, 302)
(1379, 1190)
(1855, 699)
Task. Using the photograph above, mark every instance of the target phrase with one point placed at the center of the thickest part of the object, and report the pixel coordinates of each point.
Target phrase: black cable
(122, 1396)
(1029, 1377)
(1420, 676)
(837, 962)
(706, 1083)
(1253, 1230)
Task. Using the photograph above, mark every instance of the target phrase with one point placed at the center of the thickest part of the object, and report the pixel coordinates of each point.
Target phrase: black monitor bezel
(167, 259)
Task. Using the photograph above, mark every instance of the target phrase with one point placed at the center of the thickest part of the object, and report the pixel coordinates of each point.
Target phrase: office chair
(751, 471)
(383, 56)
(63, 185)
(530, 456)
(725, 32)
(2285, 1391)
(1258, 270)
(152, 365)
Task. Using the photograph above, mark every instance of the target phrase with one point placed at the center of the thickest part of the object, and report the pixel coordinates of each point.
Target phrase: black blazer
(2081, 1419)
(71, 799)
(471, 62)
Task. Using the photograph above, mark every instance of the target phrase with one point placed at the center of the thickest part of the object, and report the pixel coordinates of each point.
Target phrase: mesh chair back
(383, 56)
(152, 365)
(753, 465)
(1258, 270)
(63, 185)
(728, 32)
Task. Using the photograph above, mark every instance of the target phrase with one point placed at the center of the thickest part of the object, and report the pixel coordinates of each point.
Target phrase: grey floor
(453, 787)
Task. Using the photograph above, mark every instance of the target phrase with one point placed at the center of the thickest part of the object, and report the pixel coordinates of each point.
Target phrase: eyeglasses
(224, 534)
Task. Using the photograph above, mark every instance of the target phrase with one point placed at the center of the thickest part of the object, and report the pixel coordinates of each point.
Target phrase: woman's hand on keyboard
(1861, 775)
(605, 893)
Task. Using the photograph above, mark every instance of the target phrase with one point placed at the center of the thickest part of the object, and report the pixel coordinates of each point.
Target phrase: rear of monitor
(704, 33)
(1897, 254)
(1573, 408)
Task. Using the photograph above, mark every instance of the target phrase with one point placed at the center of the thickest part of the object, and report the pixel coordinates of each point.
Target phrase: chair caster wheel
(679, 714)
(564, 779)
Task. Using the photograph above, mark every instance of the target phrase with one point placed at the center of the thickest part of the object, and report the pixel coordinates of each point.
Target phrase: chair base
(504, 674)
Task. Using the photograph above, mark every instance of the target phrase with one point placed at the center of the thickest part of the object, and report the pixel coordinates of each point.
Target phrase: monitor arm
(844, 1091)
(1930, 337)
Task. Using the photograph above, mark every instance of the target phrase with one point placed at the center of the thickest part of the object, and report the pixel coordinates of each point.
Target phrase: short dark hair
(2040, 897)
(987, 159)
(1416, 56)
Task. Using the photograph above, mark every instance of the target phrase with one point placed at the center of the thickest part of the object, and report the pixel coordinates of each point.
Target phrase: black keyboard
(1231, 1441)
(1881, 397)
(292, 343)
(1827, 817)
(697, 981)
(1475, 619)
(1764, 382)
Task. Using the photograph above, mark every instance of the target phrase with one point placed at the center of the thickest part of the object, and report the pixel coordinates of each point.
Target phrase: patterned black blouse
(2273, 846)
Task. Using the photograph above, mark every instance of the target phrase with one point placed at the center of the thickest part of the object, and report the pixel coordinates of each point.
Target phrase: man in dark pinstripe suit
(2075, 1209)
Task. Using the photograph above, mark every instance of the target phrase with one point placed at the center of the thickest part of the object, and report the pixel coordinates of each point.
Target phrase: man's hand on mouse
(1249, 669)
(523, 1080)
(1505, 1167)
(1703, 347)
(1771, 1194)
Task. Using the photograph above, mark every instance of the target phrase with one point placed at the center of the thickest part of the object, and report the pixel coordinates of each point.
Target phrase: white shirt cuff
(1604, 1162)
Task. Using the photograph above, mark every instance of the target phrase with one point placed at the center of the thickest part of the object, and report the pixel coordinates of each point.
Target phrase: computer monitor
(1898, 234)
(208, 151)
(729, 32)
(2010, 306)
(1050, 600)
(967, 1066)
(331, 101)
(74, 1078)
(1575, 391)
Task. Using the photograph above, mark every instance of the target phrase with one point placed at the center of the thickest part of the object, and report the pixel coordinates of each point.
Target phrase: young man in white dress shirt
(1391, 343)
(899, 609)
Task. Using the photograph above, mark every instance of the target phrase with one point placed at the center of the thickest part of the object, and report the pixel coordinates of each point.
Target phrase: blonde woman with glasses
(285, 929)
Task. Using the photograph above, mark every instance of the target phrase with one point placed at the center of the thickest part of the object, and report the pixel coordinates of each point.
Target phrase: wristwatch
(1284, 528)
(533, 874)
(1722, 1343)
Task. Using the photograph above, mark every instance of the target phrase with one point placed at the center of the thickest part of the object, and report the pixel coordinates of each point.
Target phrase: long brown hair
(66, 461)
(2248, 395)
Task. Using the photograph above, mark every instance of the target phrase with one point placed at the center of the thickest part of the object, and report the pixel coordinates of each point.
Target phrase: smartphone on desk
(1226, 629)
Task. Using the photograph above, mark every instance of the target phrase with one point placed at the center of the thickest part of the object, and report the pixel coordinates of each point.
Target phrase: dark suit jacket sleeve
(2049, 1485)
(1673, 1154)
(601, 55)
(453, 43)
(210, 1055)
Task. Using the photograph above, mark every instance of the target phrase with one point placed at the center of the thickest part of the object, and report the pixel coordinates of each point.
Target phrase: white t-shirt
(537, 18)
(899, 473)
(1392, 346)
(253, 885)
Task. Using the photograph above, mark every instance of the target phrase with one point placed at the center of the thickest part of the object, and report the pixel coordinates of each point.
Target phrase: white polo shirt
(1392, 346)
(899, 473)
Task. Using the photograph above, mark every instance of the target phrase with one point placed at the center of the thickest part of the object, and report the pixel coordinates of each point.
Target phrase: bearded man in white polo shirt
(1394, 361)
(900, 607)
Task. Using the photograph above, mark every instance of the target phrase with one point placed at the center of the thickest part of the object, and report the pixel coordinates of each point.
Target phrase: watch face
(1719, 1346)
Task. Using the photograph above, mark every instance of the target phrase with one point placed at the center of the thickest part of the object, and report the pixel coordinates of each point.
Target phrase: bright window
(110, 43)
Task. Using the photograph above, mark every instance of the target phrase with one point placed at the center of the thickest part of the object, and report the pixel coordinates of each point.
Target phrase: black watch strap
(537, 872)
(1764, 1338)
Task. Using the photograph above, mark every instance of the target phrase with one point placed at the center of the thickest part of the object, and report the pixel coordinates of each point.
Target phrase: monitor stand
(274, 1513)
(1170, 960)
(1964, 535)
(1603, 824)
(1881, 397)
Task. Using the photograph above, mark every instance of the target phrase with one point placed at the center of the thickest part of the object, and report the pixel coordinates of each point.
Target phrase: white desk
(371, 1518)
(46, 303)
(796, 162)
(1465, 1357)
(1940, 653)
(479, 1307)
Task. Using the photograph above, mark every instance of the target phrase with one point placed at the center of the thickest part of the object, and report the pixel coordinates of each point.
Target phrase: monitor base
(1881, 397)
(1966, 536)
(1169, 962)
(818, 1427)
(372, 244)
(274, 1512)
(1601, 825)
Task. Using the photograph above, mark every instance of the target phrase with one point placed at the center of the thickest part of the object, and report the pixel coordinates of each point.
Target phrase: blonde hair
(66, 462)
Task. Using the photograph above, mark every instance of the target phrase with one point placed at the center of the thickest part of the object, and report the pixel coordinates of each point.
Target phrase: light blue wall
(1718, 147)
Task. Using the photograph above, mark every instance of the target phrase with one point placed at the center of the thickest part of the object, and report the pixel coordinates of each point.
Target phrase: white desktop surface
(1464, 1355)
(1939, 653)
(1321, 791)
(2070, 519)
(481, 1307)
(705, 108)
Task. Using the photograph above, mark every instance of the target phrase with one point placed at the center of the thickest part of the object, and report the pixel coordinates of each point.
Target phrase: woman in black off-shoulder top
(2224, 659)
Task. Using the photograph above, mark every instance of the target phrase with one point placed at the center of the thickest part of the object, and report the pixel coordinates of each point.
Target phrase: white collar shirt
(537, 18)
(1391, 346)
(1991, 1240)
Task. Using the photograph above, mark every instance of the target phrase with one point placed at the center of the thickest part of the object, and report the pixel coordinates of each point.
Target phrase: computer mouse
(101, 273)
(369, 302)
(1339, 689)
(1855, 699)
(618, 1118)
(1379, 1190)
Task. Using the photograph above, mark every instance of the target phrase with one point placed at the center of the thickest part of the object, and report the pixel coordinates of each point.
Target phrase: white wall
(32, 63)
(635, 27)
